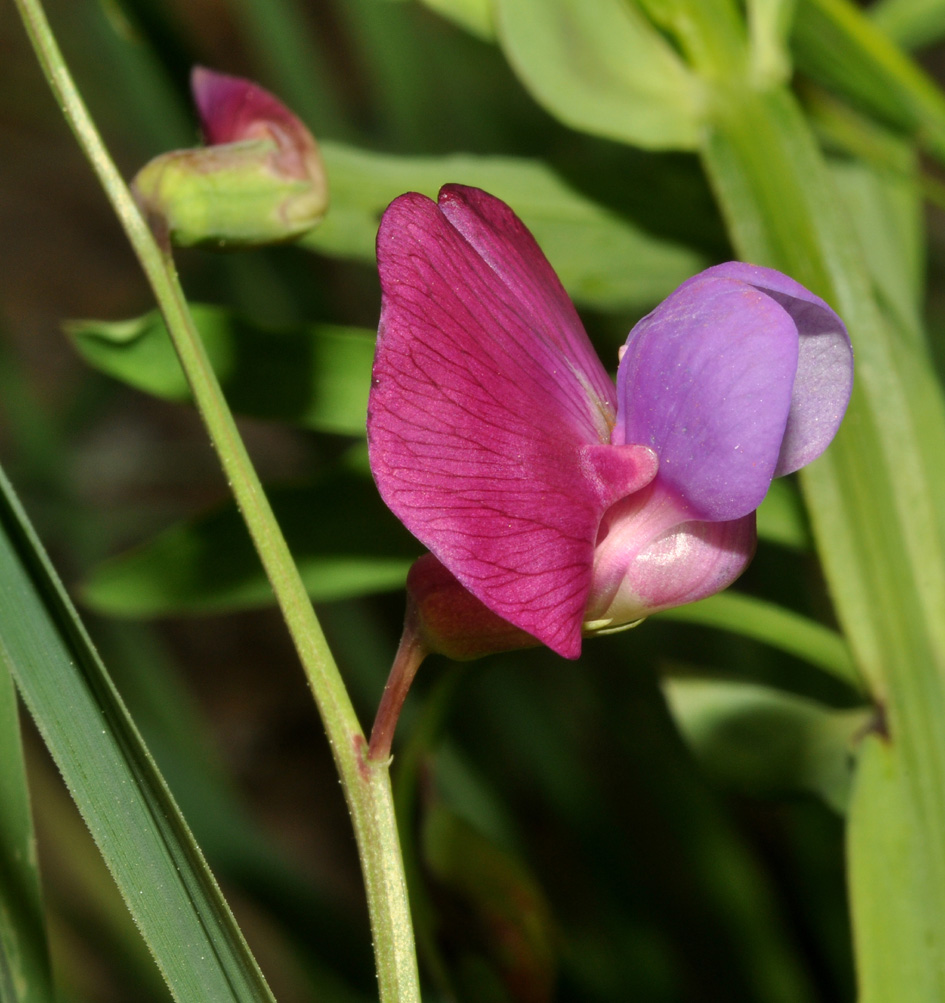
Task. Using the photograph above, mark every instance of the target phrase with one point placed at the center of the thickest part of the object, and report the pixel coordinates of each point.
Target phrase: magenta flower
(554, 503)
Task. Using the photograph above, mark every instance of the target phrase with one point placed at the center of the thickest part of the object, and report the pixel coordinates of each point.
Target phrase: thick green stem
(366, 785)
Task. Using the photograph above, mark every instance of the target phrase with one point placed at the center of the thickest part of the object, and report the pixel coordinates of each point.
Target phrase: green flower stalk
(259, 180)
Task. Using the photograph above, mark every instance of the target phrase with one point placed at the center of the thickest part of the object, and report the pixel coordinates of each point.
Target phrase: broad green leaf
(603, 259)
(911, 23)
(881, 534)
(603, 68)
(896, 956)
(876, 497)
(876, 173)
(317, 376)
(24, 954)
(836, 45)
(129, 811)
(781, 628)
(344, 540)
(755, 740)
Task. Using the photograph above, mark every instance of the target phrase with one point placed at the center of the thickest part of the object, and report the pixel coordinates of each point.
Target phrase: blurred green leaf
(473, 15)
(835, 44)
(344, 540)
(769, 26)
(495, 920)
(682, 908)
(294, 59)
(886, 214)
(781, 516)
(755, 740)
(132, 817)
(24, 953)
(603, 259)
(317, 376)
(781, 628)
(911, 23)
(602, 67)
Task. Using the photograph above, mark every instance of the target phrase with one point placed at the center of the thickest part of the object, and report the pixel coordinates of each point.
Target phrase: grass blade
(24, 954)
(130, 812)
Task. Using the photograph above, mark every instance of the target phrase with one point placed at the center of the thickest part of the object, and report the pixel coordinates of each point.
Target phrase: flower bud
(451, 621)
(260, 179)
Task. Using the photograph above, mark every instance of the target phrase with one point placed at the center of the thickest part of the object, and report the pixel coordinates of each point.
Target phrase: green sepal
(231, 195)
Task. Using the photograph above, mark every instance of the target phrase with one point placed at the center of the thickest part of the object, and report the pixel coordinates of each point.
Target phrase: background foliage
(663, 820)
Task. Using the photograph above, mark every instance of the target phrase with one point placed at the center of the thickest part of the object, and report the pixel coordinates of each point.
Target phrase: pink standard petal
(706, 381)
(487, 419)
(503, 242)
(824, 378)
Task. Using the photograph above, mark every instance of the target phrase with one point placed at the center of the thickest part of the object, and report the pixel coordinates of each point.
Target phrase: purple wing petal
(488, 412)
(706, 381)
(824, 367)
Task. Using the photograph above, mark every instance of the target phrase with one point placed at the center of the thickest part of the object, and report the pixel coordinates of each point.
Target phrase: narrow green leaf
(781, 628)
(128, 809)
(24, 954)
(83, 898)
(345, 542)
(317, 376)
(602, 67)
(836, 45)
(603, 259)
(755, 740)
(911, 23)
(337, 956)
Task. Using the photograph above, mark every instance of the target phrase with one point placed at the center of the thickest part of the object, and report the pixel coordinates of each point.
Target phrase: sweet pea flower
(555, 504)
(259, 179)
